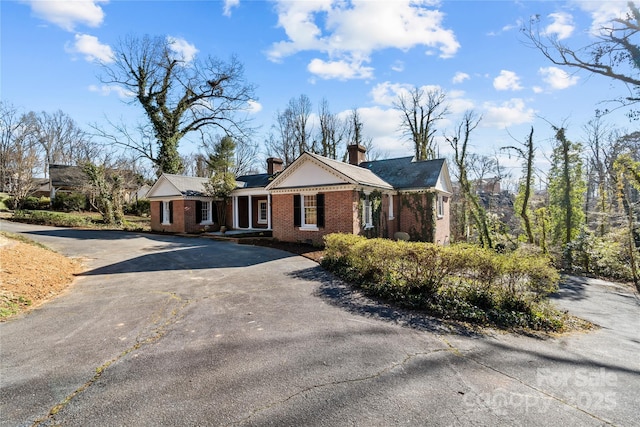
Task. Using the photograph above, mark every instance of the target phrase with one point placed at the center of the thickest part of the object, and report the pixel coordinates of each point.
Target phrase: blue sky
(356, 54)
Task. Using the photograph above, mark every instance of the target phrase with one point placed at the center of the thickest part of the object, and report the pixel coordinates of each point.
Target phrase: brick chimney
(357, 154)
(274, 165)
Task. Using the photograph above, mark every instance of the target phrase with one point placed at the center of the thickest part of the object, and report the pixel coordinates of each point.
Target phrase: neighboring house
(73, 179)
(315, 196)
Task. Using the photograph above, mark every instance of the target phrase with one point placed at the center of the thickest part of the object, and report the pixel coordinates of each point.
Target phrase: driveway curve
(171, 331)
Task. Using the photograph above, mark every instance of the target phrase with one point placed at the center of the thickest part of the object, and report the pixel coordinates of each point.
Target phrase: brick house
(315, 196)
(180, 204)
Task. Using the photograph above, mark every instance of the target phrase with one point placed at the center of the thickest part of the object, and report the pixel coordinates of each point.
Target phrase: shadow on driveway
(338, 293)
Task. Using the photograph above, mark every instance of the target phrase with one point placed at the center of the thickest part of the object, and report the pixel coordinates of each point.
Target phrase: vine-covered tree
(179, 95)
(460, 143)
(616, 53)
(420, 110)
(525, 186)
(566, 192)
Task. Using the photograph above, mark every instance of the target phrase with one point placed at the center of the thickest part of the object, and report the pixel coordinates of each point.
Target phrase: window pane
(310, 210)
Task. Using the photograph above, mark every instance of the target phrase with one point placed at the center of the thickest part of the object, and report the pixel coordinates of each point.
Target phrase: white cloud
(387, 93)
(537, 89)
(507, 80)
(398, 66)
(68, 14)
(254, 107)
(106, 90)
(341, 70)
(458, 104)
(505, 114)
(460, 77)
(557, 78)
(182, 48)
(228, 5)
(602, 12)
(348, 32)
(91, 48)
(562, 26)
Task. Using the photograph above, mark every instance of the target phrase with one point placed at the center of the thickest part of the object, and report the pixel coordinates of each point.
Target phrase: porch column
(269, 211)
(250, 212)
(235, 211)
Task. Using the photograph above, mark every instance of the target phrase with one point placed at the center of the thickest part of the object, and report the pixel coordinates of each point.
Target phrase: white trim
(269, 211)
(440, 206)
(250, 210)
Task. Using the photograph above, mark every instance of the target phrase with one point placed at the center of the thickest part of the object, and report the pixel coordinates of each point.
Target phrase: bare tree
(421, 109)
(615, 54)
(332, 131)
(300, 110)
(62, 140)
(179, 96)
(19, 156)
(354, 135)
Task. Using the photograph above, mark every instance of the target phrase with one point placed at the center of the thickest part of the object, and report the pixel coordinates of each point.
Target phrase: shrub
(606, 256)
(50, 218)
(138, 208)
(458, 281)
(70, 202)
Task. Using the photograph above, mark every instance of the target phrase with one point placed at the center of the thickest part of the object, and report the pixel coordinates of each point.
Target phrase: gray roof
(404, 173)
(259, 180)
(67, 176)
(359, 175)
(188, 185)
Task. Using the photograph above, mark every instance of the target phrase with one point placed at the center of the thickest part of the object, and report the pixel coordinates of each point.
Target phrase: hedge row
(458, 281)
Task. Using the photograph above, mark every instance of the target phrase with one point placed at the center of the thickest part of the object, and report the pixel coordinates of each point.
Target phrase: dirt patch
(31, 275)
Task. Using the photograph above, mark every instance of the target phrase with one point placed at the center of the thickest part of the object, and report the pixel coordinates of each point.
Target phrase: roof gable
(315, 170)
(169, 185)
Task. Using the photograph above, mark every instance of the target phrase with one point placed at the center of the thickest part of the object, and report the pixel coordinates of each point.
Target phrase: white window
(310, 211)
(206, 213)
(391, 206)
(166, 212)
(262, 211)
(367, 214)
(440, 206)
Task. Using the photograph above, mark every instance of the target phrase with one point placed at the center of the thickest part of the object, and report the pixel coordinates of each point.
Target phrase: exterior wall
(389, 225)
(177, 226)
(416, 214)
(341, 216)
(184, 217)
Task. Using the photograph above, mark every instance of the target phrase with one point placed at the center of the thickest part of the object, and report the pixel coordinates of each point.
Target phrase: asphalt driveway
(174, 331)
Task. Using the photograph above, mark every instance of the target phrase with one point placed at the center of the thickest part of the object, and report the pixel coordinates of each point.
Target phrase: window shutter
(320, 208)
(297, 211)
(161, 212)
(171, 212)
(198, 211)
(214, 212)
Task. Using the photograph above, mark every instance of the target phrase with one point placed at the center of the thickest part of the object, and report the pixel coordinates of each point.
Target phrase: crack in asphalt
(159, 330)
(378, 374)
